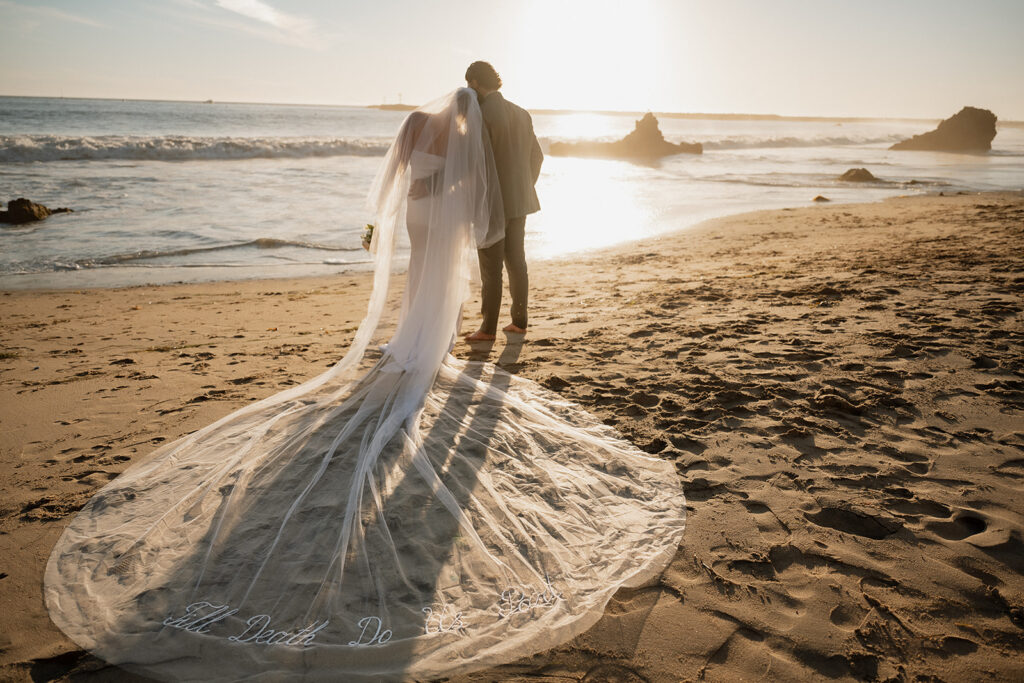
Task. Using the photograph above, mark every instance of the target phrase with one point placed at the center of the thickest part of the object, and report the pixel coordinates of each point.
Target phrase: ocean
(189, 191)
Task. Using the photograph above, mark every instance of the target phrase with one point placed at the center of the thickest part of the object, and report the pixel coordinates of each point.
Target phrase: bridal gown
(402, 515)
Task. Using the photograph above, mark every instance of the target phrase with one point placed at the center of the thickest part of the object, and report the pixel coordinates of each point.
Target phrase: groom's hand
(419, 189)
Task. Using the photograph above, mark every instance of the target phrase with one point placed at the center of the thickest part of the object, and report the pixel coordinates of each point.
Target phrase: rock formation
(24, 211)
(969, 130)
(859, 175)
(645, 142)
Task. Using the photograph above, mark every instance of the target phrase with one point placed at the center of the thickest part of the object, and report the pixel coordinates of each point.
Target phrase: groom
(517, 157)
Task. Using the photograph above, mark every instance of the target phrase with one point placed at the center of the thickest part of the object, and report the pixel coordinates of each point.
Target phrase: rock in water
(859, 175)
(22, 210)
(645, 142)
(969, 130)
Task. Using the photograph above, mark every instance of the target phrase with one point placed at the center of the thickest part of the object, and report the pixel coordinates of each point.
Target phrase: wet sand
(841, 389)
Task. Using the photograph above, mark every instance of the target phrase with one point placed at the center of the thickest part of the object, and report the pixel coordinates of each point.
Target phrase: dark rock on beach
(25, 211)
(645, 142)
(969, 130)
(859, 175)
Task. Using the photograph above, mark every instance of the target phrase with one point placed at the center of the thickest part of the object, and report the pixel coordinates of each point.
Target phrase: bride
(402, 515)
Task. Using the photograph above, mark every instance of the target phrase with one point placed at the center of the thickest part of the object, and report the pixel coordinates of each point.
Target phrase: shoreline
(89, 277)
(840, 388)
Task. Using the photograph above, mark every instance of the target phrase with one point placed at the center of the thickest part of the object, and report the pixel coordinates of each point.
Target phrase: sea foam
(28, 148)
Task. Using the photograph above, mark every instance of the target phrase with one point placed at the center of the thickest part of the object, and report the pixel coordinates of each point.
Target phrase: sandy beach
(841, 388)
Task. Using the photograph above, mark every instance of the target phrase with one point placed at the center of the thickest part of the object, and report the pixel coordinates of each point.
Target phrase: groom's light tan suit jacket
(517, 154)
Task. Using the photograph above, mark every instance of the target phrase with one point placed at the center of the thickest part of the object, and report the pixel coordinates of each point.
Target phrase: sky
(896, 58)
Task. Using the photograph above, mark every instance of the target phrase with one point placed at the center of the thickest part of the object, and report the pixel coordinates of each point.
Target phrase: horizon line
(533, 110)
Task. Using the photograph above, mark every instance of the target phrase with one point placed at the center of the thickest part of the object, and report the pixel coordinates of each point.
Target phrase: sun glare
(581, 126)
(588, 204)
(578, 54)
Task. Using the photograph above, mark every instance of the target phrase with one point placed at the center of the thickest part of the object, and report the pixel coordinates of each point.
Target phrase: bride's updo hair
(484, 74)
(463, 96)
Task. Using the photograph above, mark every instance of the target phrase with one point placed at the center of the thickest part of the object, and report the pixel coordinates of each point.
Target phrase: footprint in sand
(644, 399)
(916, 463)
(856, 522)
(1011, 468)
(847, 615)
(774, 530)
(92, 478)
(952, 646)
(965, 525)
(919, 507)
(612, 673)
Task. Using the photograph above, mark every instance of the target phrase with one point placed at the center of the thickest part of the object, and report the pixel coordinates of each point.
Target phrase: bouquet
(367, 236)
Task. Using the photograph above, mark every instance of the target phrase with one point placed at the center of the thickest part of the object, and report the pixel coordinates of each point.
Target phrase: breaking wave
(150, 258)
(28, 148)
(743, 142)
(752, 142)
(261, 243)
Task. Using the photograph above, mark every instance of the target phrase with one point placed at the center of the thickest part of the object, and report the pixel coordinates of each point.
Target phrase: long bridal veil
(402, 515)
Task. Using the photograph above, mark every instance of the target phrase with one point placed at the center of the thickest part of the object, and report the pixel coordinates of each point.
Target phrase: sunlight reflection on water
(588, 204)
(584, 126)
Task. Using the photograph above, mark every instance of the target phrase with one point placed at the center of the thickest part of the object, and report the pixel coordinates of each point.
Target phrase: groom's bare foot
(514, 329)
(479, 336)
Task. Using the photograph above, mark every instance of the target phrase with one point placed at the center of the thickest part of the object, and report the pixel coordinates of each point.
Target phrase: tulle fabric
(403, 515)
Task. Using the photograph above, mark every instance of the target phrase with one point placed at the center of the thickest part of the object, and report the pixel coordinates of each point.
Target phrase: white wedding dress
(413, 516)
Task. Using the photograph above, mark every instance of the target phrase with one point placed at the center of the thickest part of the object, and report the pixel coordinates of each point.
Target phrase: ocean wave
(821, 181)
(143, 258)
(260, 243)
(752, 142)
(186, 257)
(28, 148)
(744, 142)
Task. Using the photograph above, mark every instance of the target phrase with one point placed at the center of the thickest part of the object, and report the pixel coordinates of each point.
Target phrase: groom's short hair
(484, 74)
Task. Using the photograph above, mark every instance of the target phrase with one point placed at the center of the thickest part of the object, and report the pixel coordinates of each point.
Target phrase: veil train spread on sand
(411, 516)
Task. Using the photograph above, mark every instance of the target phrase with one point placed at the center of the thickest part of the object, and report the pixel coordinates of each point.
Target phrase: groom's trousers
(511, 254)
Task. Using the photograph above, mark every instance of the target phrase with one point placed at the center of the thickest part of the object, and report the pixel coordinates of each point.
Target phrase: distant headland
(393, 107)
